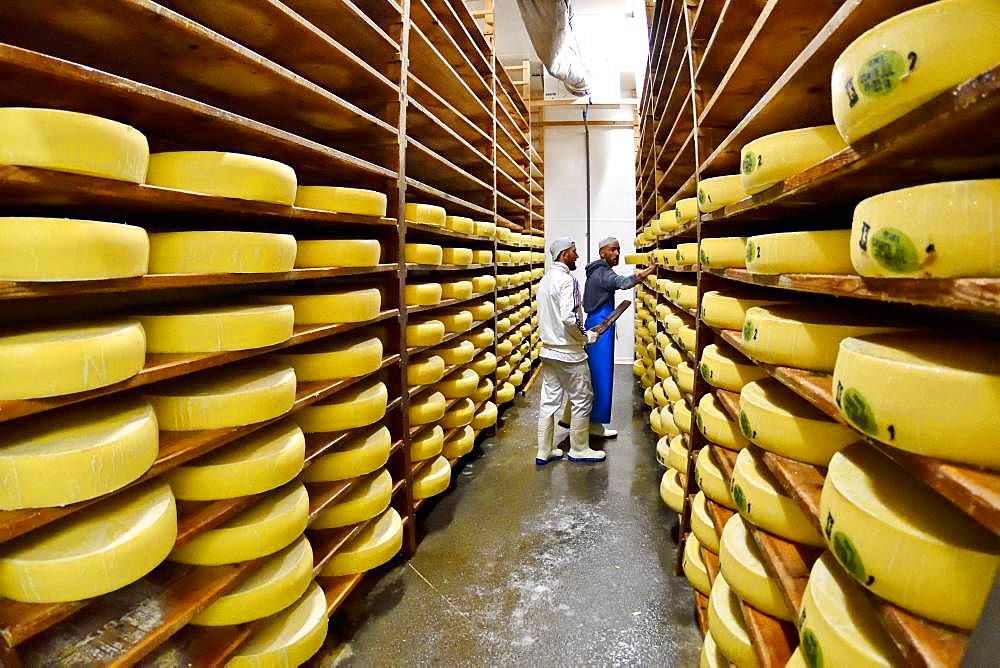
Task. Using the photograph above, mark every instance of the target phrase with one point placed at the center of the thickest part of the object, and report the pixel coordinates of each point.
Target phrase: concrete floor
(567, 565)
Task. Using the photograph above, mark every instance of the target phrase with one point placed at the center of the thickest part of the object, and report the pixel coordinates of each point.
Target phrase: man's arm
(612, 280)
(568, 313)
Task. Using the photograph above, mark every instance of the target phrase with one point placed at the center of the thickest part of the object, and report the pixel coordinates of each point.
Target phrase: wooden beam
(596, 124)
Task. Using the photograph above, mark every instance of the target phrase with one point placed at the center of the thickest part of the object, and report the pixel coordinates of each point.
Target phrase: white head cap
(606, 241)
(559, 245)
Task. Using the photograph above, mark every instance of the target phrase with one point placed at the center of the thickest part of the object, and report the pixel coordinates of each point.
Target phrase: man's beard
(572, 265)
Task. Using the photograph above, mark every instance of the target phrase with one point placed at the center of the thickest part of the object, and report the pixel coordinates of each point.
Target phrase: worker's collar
(560, 265)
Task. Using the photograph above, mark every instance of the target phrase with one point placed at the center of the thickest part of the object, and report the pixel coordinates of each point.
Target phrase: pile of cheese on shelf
(519, 343)
(436, 216)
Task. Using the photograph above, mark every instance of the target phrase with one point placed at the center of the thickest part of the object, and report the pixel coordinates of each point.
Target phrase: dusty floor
(568, 565)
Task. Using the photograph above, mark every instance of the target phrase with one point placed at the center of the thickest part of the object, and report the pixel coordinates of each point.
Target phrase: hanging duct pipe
(586, 153)
(550, 27)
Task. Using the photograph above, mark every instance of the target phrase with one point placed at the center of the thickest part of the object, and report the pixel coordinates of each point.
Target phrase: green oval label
(750, 251)
(706, 373)
(749, 162)
(858, 411)
(893, 250)
(848, 556)
(745, 424)
(702, 196)
(740, 499)
(704, 257)
(881, 73)
(811, 650)
(748, 330)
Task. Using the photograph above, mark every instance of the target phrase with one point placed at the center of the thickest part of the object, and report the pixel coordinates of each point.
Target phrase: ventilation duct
(550, 27)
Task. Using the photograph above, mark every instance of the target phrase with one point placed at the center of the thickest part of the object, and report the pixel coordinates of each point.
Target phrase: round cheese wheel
(656, 397)
(428, 254)
(277, 584)
(366, 499)
(49, 361)
(423, 294)
(661, 369)
(637, 258)
(357, 406)
(355, 201)
(685, 296)
(725, 621)
(376, 544)
(485, 416)
(65, 249)
(220, 252)
(232, 175)
(427, 444)
(730, 371)
(726, 311)
(482, 257)
(715, 424)
(427, 408)
(432, 480)
(486, 229)
(422, 333)
(457, 290)
(741, 564)
(265, 459)
(426, 214)
(330, 307)
(711, 657)
(685, 378)
(456, 352)
(776, 157)
(217, 328)
(720, 191)
(289, 637)
(907, 60)
(424, 370)
(337, 253)
(359, 454)
(505, 393)
(702, 523)
(663, 451)
(483, 391)
(813, 252)
(837, 624)
(456, 321)
(672, 490)
(686, 335)
(484, 283)
(68, 561)
(330, 359)
(654, 422)
(456, 256)
(637, 367)
(484, 364)
(897, 538)
(672, 356)
(68, 141)
(232, 396)
(711, 480)
(460, 224)
(667, 221)
(778, 420)
(682, 416)
(761, 500)
(694, 566)
(481, 311)
(677, 457)
(481, 338)
(671, 390)
(460, 443)
(723, 252)
(807, 337)
(686, 254)
(458, 384)
(687, 210)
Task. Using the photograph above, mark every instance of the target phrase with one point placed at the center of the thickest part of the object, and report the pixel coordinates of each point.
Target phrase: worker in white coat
(565, 374)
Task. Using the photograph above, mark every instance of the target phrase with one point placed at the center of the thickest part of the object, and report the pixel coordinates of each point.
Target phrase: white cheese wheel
(289, 637)
(812, 252)
(426, 214)
(376, 544)
(776, 157)
(233, 175)
(422, 333)
(456, 352)
(357, 406)
(460, 443)
(741, 564)
(727, 370)
(687, 210)
(427, 408)
(720, 191)
(456, 256)
(763, 502)
(217, 328)
(422, 294)
(728, 312)
(427, 444)
(132, 531)
(711, 480)
(456, 290)
(366, 499)
(485, 416)
(432, 480)
(355, 201)
(725, 621)
(208, 252)
(330, 307)
(723, 252)
(702, 523)
(716, 425)
(68, 141)
(900, 540)
(66, 249)
(694, 566)
(672, 491)
(361, 453)
(331, 359)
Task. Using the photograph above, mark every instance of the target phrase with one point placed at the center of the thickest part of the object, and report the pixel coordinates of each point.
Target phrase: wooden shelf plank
(429, 193)
(429, 65)
(773, 639)
(344, 21)
(701, 612)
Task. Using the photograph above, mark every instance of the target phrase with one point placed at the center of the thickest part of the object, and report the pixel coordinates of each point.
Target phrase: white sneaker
(600, 431)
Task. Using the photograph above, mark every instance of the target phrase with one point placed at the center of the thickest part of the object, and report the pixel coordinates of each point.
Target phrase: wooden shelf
(422, 230)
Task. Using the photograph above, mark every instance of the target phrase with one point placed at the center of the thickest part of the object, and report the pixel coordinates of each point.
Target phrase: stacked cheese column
(517, 323)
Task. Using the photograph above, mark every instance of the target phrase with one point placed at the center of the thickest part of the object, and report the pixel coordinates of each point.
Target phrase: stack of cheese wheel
(725, 623)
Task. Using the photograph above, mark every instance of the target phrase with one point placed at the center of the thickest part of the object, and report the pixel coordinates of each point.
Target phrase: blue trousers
(601, 359)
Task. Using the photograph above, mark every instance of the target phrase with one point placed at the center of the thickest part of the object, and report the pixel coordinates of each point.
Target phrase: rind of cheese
(458, 384)
(811, 252)
(775, 157)
(288, 638)
(741, 564)
(485, 416)
(687, 210)
(427, 408)
(727, 312)
(336, 358)
(217, 328)
(210, 252)
(426, 214)
(427, 444)
(460, 443)
(354, 201)
(720, 191)
(484, 364)
(422, 333)
(362, 453)
(761, 501)
(726, 370)
(220, 174)
(711, 480)
(423, 294)
(725, 621)
(456, 256)
(318, 308)
(432, 480)
(671, 490)
(694, 566)
(365, 500)
(460, 224)
(356, 406)
(723, 252)
(702, 523)
(376, 544)
(456, 290)
(716, 425)
(456, 352)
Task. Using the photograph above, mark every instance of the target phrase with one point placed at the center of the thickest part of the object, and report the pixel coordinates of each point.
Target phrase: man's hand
(648, 270)
(592, 336)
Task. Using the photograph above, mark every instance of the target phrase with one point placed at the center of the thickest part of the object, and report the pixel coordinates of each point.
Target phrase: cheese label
(881, 73)
(749, 330)
(811, 649)
(893, 250)
(745, 425)
(741, 500)
(751, 249)
(846, 553)
(749, 162)
(706, 373)
(857, 409)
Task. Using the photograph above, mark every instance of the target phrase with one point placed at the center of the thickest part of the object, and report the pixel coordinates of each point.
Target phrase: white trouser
(562, 381)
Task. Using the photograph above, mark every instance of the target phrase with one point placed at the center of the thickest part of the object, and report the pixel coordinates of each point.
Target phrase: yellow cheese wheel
(685, 377)
(266, 459)
(727, 370)
(682, 416)
(132, 531)
(671, 490)
(666, 222)
(672, 356)
(427, 408)
(671, 390)
(716, 425)
(728, 311)
(357, 406)
(427, 444)
(429, 254)
(776, 157)
(657, 397)
(723, 252)
(76, 454)
(778, 420)
(482, 257)
(359, 454)
(654, 422)
(366, 499)
(720, 191)
(711, 656)
(220, 252)
(217, 328)
(422, 333)
(637, 258)
(49, 361)
(637, 367)
(483, 391)
(330, 359)
(484, 283)
(456, 352)
(457, 290)
(505, 393)
(486, 229)
(687, 210)
(278, 583)
(764, 503)
(881, 381)
(66, 249)
(661, 369)
(484, 364)
(481, 338)
(460, 224)
(687, 336)
(460, 443)
(725, 621)
(432, 480)
(330, 307)
(686, 254)
(481, 311)
(900, 540)
(814, 252)
(459, 384)
(423, 294)
(424, 370)
(807, 337)
(376, 544)
(741, 564)
(456, 321)
(685, 296)
(938, 230)
(355, 201)
(694, 566)
(702, 523)
(838, 625)
(289, 637)
(797, 659)
(233, 175)
(907, 60)
(456, 256)
(485, 416)
(711, 480)
(232, 396)
(663, 451)
(270, 524)
(677, 457)
(426, 214)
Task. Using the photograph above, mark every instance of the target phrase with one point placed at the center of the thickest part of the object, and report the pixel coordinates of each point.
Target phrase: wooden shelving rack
(401, 96)
(722, 73)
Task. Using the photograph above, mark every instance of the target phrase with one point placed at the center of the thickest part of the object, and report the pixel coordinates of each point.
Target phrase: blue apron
(601, 360)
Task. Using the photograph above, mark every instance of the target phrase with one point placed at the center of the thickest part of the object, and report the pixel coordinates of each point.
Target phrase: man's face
(569, 257)
(610, 253)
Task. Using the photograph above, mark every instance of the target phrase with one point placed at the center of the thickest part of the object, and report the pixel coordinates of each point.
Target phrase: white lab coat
(565, 374)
